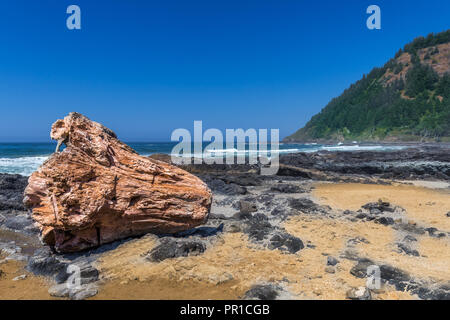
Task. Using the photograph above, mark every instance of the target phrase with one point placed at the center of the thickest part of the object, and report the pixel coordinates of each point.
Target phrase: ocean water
(25, 158)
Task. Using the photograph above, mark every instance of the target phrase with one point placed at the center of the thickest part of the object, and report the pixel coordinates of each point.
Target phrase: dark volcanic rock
(360, 269)
(361, 216)
(285, 241)
(304, 205)
(263, 292)
(287, 188)
(20, 222)
(331, 261)
(265, 199)
(407, 250)
(221, 169)
(434, 232)
(221, 187)
(411, 228)
(401, 280)
(13, 215)
(385, 221)
(261, 231)
(431, 231)
(432, 294)
(409, 238)
(246, 207)
(12, 187)
(88, 274)
(388, 273)
(394, 276)
(278, 212)
(411, 163)
(294, 172)
(379, 207)
(356, 240)
(246, 180)
(242, 216)
(258, 227)
(173, 248)
(202, 232)
(44, 263)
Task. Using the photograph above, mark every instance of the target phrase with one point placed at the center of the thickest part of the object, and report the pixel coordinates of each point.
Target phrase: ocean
(25, 158)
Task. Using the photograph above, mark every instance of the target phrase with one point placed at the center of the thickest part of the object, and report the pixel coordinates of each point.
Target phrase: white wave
(288, 150)
(233, 150)
(361, 148)
(24, 166)
(27, 165)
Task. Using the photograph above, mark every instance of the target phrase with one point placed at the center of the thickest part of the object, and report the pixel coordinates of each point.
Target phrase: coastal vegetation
(406, 99)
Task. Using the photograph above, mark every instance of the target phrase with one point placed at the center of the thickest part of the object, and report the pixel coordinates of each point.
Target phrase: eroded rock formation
(98, 190)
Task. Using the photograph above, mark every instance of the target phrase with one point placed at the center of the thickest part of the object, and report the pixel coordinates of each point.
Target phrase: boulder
(332, 261)
(404, 248)
(284, 241)
(81, 292)
(246, 207)
(98, 190)
(174, 248)
(361, 293)
(263, 292)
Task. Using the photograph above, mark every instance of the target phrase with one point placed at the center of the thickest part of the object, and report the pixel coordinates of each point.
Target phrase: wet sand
(233, 264)
(423, 205)
(30, 288)
(240, 264)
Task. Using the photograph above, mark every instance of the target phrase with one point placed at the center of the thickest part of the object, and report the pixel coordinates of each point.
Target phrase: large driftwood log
(98, 190)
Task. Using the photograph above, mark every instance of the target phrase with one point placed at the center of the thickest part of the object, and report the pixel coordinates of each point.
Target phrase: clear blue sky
(145, 68)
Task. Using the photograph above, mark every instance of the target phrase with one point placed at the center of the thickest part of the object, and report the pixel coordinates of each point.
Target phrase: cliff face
(407, 99)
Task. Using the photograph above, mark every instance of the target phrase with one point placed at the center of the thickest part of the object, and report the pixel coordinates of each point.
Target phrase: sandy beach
(234, 262)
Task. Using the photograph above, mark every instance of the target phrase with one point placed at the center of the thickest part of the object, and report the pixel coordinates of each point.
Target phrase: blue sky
(145, 68)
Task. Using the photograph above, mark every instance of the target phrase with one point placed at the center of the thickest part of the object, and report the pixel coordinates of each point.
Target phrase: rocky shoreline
(258, 215)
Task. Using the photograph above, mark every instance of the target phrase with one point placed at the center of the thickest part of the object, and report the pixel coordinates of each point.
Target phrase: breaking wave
(24, 164)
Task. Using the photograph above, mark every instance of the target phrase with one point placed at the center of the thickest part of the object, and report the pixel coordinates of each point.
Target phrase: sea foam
(24, 165)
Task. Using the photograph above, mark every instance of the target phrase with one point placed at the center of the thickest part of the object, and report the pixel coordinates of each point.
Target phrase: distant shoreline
(370, 143)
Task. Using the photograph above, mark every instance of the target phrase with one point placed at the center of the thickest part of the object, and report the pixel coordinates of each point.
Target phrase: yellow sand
(30, 288)
(424, 206)
(230, 267)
